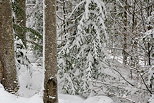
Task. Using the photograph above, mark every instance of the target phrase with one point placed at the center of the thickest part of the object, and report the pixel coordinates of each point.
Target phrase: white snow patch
(151, 100)
(65, 98)
(99, 99)
(6, 97)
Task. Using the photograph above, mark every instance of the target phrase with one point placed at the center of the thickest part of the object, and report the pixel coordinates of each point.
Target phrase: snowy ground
(6, 97)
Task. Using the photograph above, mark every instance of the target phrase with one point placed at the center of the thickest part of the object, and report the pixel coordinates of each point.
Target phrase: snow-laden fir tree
(82, 58)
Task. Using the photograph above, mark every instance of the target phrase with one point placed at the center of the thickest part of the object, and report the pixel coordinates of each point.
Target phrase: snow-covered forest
(76, 51)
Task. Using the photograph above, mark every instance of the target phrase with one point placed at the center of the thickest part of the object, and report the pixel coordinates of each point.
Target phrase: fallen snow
(151, 100)
(6, 97)
(64, 98)
(99, 99)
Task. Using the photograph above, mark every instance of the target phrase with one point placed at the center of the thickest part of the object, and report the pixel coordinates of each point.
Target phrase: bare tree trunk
(149, 53)
(7, 47)
(149, 10)
(125, 34)
(21, 13)
(50, 82)
(64, 16)
(134, 43)
(1, 71)
(20, 18)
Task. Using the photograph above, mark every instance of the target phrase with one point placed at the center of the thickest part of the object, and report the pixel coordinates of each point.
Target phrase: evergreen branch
(26, 29)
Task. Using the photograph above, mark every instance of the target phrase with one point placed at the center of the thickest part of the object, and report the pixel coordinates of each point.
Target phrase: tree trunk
(20, 18)
(1, 71)
(125, 34)
(7, 47)
(149, 54)
(50, 82)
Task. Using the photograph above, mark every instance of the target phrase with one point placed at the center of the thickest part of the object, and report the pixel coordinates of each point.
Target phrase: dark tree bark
(20, 18)
(7, 47)
(1, 72)
(125, 34)
(50, 82)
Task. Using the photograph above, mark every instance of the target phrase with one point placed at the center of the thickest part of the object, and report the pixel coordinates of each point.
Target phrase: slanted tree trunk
(7, 47)
(50, 82)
